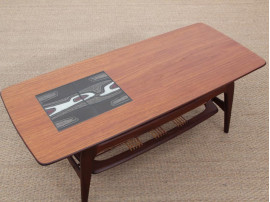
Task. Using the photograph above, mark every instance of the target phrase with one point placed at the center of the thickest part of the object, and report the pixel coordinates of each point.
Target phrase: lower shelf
(136, 147)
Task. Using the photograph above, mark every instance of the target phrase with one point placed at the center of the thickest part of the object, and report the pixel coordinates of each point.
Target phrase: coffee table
(83, 110)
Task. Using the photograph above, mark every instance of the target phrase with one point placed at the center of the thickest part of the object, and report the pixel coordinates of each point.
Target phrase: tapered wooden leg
(228, 101)
(86, 167)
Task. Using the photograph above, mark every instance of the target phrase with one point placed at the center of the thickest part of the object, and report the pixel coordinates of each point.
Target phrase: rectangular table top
(144, 80)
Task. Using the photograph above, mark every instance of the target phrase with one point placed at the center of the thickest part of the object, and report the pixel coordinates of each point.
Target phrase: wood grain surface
(159, 74)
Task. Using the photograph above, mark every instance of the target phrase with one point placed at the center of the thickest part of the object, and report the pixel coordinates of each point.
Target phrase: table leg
(226, 105)
(228, 101)
(86, 167)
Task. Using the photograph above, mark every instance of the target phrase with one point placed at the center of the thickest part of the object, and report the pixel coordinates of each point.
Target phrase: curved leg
(86, 167)
(228, 101)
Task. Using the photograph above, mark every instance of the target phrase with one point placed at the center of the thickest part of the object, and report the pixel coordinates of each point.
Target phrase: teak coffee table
(83, 110)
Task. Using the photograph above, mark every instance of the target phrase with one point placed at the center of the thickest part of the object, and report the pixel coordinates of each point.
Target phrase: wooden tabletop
(159, 74)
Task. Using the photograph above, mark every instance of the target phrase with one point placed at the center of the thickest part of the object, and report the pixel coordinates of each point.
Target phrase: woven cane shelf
(135, 146)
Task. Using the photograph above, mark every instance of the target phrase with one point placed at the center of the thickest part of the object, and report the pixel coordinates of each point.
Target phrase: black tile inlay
(81, 100)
